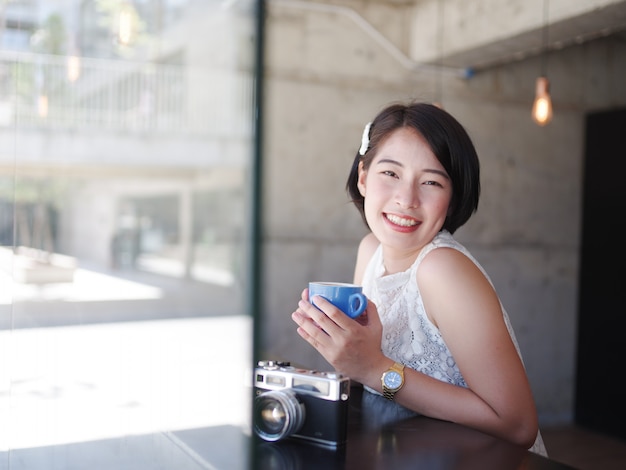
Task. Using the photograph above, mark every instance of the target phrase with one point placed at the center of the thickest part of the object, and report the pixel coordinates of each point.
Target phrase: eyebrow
(426, 170)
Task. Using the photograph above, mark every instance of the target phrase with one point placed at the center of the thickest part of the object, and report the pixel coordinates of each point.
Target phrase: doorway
(602, 283)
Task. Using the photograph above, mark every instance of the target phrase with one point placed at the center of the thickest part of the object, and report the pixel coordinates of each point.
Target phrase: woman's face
(407, 192)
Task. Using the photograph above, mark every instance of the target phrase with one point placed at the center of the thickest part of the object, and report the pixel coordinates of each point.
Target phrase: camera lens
(277, 414)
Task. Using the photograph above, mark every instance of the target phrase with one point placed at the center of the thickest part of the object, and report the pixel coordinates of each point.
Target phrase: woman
(435, 337)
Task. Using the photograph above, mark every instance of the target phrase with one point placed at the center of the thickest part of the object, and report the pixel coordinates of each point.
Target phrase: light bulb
(542, 107)
(73, 68)
(42, 106)
(125, 29)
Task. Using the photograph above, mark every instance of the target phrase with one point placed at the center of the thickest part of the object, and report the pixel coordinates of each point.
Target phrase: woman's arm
(464, 306)
(461, 302)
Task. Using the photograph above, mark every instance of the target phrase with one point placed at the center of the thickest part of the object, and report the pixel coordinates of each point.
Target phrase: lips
(401, 221)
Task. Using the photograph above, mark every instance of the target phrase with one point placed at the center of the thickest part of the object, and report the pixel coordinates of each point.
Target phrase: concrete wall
(485, 32)
(325, 78)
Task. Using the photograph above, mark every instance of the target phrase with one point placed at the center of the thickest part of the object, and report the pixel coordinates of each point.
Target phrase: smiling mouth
(401, 221)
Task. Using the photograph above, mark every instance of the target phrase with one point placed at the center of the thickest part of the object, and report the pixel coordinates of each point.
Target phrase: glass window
(126, 145)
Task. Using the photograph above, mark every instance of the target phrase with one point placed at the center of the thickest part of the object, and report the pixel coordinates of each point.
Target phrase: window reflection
(126, 129)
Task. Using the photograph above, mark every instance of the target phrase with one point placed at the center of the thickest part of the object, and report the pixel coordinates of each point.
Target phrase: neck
(398, 261)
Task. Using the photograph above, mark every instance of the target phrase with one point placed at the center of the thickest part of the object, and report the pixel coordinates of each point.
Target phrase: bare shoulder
(447, 264)
(450, 282)
(367, 247)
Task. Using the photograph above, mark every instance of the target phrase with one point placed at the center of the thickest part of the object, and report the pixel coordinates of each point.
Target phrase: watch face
(393, 380)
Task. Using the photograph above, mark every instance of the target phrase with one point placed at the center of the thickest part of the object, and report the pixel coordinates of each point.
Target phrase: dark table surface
(383, 435)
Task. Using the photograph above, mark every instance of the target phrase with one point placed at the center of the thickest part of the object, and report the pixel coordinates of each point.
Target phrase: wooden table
(382, 435)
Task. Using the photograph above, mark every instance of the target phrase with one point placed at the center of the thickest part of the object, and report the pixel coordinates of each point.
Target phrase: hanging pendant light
(73, 64)
(42, 105)
(126, 24)
(73, 67)
(542, 106)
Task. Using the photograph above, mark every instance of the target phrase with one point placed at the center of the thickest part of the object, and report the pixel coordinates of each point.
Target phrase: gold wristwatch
(392, 380)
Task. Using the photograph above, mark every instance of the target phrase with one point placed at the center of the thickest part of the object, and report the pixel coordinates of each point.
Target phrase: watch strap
(389, 393)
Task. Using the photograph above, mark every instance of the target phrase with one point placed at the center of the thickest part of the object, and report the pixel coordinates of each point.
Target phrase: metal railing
(61, 92)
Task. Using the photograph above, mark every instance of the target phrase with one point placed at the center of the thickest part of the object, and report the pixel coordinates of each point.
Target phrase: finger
(310, 331)
(324, 314)
(362, 319)
(309, 339)
(338, 317)
(301, 317)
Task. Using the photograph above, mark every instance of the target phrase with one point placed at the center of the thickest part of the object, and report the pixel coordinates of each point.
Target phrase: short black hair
(448, 140)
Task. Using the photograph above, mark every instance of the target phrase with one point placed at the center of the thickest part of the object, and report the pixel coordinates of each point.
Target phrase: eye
(433, 183)
(393, 174)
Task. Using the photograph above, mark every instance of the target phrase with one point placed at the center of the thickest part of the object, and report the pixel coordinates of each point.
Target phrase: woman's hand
(351, 346)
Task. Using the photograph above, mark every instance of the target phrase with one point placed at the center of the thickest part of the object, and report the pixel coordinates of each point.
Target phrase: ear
(361, 181)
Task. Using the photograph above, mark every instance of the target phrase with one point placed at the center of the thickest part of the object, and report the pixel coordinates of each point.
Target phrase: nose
(407, 196)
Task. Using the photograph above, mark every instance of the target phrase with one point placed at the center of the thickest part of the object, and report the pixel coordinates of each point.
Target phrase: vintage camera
(300, 403)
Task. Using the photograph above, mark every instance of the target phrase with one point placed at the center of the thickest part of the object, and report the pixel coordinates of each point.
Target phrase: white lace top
(409, 337)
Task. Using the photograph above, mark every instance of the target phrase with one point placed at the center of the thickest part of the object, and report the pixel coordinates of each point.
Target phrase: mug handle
(358, 304)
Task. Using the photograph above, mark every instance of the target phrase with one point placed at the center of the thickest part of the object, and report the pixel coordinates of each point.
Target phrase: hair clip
(365, 139)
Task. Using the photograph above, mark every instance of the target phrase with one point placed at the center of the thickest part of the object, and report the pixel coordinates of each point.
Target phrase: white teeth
(401, 220)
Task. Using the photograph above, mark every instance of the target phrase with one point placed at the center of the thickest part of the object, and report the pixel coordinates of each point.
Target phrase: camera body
(300, 403)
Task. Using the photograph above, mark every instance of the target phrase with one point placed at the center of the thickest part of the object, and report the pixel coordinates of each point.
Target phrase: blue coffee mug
(348, 298)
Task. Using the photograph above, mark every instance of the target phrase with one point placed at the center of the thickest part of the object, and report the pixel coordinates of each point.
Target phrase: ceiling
(597, 23)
